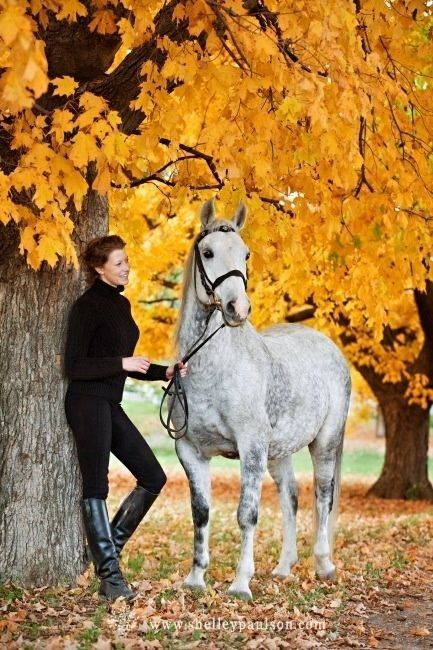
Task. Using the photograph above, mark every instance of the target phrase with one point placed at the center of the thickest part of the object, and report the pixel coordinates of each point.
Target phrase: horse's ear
(240, 216)
(207, 214)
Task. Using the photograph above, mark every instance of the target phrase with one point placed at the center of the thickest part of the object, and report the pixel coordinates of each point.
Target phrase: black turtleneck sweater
(101, 331)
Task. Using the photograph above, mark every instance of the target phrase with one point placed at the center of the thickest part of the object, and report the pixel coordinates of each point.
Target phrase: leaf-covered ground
(383, 597)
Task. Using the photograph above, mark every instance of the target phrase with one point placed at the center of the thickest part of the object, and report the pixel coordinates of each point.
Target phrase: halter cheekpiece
(175, 388)
(207, 283)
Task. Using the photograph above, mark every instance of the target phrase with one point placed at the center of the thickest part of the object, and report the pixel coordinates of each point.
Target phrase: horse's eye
(247, 256)
(208, 254)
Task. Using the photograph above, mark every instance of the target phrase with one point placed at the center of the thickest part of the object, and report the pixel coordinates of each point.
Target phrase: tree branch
(362, 28)
(221, 26)
(122, 85)
(196, 153)
(268, 19)
(301, 315)
(156, 300)
(424, 304)
(361, 145)
(72, 49)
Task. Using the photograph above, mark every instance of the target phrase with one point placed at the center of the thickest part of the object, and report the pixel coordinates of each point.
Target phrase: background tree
(398, 370)
(319, 120)
(397, 365)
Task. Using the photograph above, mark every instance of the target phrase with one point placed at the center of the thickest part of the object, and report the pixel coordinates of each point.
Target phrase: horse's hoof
(330, 576)
(242, 595)
(195, 586)
(195, 580)
(284, 575)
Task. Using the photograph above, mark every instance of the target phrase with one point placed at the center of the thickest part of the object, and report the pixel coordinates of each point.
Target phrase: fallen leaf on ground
(419, 631)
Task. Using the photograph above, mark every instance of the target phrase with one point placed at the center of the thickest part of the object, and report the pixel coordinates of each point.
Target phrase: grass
(166, 568)
(163, 596)
(134, 566)
(373, 574)
(33, 630)
(145, 415)
(305, 601)
(398, 560)
(90, 635)
(362, 462)
(139, 409)
(10, 593)
(378, 557)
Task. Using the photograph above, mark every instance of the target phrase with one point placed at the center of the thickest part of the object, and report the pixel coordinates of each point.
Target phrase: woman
(99, 352)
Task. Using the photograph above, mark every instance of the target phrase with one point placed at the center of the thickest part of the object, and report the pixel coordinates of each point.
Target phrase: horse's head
(220, 264)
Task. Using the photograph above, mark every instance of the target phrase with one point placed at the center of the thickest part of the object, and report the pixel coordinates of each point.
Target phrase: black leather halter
(207, 283)
(175, 387)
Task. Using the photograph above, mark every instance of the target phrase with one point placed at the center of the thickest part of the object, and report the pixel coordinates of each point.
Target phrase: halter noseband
(207, 283)
(175, 388)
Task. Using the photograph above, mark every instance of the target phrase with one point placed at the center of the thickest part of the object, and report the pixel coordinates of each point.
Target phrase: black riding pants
(100, 426)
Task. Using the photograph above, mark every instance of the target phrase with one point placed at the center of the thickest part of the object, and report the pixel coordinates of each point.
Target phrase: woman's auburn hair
(97, 251)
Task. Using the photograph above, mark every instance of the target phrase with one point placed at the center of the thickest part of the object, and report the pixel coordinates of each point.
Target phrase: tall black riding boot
(99, 538)
(129, 515)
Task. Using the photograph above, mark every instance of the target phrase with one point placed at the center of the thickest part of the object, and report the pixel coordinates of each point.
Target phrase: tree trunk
(41, 538)
(404, 474)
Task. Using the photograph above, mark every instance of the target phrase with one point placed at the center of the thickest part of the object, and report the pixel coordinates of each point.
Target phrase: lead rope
(175, 387)
(176, 390)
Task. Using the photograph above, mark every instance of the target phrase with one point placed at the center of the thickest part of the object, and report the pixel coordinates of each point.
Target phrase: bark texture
(404, 473)
(41, 538)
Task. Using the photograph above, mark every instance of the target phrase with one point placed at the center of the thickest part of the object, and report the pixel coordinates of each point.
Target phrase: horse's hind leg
(326, 462)
(253, 466)
(281, 471)
(198, 472)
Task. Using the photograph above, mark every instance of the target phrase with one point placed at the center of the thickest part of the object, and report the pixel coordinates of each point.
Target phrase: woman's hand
(135, 364)
(183, 367)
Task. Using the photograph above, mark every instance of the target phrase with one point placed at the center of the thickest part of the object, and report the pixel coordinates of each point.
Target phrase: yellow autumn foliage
(319, 120)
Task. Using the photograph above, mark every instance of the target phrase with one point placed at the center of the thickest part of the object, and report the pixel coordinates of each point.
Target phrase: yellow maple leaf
(290, 109)
(64, 85)
(89, 101)
(103, 22)
(70, 9)
(62, 123)
(179, 13)
(83, 149)
(11, 20)
(103, 180)
(315, 29)
(75, 186)
(44, 193)
(27, 239)
(47, 249)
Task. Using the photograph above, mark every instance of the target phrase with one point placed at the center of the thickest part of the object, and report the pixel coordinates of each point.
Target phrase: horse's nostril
(231, 307)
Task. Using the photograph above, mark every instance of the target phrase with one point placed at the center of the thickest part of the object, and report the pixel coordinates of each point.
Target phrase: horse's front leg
(198, 472)
(253, 459)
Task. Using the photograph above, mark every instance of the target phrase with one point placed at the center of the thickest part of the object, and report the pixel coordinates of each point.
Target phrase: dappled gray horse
(258, 397)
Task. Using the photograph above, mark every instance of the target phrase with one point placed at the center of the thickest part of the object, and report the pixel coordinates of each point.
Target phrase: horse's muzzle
(236, 311)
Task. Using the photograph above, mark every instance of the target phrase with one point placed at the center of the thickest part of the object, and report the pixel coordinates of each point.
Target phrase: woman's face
(116, 269)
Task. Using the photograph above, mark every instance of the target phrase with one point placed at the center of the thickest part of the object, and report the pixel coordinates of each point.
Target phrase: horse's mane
(188, 273)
